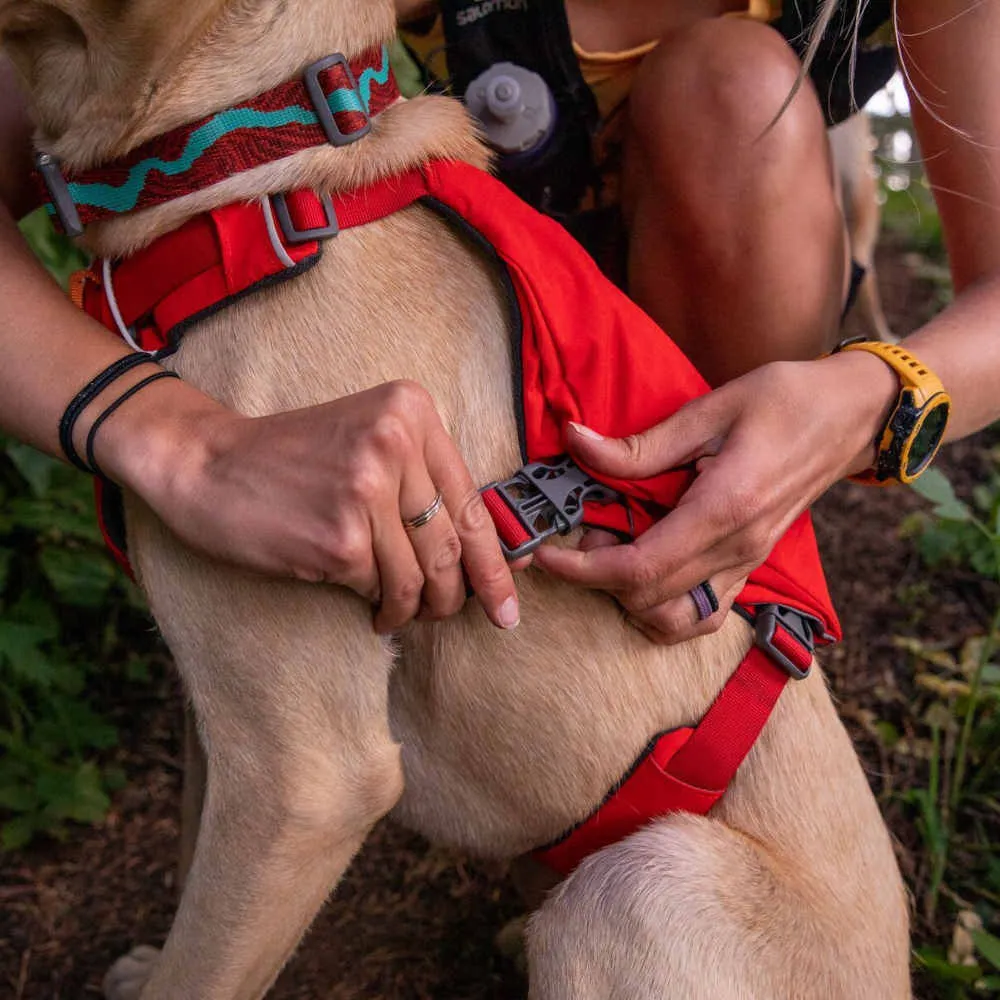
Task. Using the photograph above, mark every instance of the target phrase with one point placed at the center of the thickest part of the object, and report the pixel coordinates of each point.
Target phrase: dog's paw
(127, 978)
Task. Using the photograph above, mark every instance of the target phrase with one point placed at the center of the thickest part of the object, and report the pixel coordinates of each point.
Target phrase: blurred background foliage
(71, 628)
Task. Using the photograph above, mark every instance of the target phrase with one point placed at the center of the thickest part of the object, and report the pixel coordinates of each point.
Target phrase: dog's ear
(98, 57)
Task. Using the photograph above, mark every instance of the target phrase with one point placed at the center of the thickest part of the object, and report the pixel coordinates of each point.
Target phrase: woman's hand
(321, 494)
(766, 446)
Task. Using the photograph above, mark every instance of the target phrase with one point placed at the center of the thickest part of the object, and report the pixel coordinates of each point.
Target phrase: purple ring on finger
(705, 600)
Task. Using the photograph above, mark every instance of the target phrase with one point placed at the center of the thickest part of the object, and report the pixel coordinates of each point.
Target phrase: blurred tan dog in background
(853, 144)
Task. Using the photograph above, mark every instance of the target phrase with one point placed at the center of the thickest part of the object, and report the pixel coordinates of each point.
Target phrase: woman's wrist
(160, 443)
(867, 387)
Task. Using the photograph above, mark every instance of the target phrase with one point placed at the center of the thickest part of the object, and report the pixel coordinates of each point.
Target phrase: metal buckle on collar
(321, 105)
(62, 201)
(547, 500)
(780, 630)
(294, 236)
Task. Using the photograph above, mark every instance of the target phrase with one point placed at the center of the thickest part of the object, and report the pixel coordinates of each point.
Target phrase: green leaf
(982, 497)
(53, 249)
(76, 725)
(50, 518)
(34, 467)
(988, 946)
(17, 832)
(934, 961)
(18, 798)
(888, 734)
(74, 794)
(933, 485)
(20, 649)
(80, 577)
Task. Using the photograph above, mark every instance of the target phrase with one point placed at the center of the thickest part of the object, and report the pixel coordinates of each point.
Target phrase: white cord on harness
(109, 291)
(272, 231)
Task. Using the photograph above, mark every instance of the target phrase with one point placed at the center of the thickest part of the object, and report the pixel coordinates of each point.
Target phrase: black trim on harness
(175, 333)
(481, 243)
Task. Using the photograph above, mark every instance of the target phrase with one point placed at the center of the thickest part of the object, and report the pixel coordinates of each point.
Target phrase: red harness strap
(585, 353)
(222, 255)
(689, 769)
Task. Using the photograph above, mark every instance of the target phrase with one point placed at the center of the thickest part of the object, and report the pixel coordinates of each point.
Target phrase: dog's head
(103, 75)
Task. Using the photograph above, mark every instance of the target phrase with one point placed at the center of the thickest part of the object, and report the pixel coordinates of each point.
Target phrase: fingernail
(587, 432)
(509, 615)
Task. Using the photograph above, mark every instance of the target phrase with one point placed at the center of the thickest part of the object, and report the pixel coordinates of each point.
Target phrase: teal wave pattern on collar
(125, 197)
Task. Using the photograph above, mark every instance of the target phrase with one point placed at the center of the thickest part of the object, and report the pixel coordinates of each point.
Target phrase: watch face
(927, 439)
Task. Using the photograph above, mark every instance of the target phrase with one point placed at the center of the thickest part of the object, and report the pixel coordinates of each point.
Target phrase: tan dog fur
(314, 727)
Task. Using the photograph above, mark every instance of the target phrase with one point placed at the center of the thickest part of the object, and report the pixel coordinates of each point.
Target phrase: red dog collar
(332, 102)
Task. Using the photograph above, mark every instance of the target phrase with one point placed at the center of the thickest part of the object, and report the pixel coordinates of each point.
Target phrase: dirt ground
(410, 921)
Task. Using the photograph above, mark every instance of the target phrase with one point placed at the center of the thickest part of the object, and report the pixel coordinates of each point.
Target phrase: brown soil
(412, 921)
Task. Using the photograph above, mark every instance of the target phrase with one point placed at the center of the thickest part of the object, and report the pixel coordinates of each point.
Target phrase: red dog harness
(583, 352)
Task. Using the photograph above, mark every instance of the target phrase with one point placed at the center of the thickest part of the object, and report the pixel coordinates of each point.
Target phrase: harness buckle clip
(545, 499)
(788, 636)
(321, 103)
(59, 194)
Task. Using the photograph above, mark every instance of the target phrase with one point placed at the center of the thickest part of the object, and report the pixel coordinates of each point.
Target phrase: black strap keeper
(124, 397)
(86, 396)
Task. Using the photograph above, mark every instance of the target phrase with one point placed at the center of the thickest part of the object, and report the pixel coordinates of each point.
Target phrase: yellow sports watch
(915, 429)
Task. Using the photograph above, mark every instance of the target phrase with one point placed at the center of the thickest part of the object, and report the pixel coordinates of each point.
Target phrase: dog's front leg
(289, 685)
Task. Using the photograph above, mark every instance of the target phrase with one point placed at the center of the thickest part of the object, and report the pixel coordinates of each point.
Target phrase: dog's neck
(219, 55)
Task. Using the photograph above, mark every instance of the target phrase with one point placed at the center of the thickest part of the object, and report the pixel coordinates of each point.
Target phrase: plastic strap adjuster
(294, 236)
(788, 636)
(542, 499)
(60, 198)
(321, 104)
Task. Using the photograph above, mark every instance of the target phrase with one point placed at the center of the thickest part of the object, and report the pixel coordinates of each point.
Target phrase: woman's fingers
(690, 614)
(489, 575)
(693, 431)
(402, 580)
(691, 544)
(436, 544)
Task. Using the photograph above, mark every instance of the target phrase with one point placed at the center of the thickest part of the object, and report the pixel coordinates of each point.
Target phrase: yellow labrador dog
(314, 727)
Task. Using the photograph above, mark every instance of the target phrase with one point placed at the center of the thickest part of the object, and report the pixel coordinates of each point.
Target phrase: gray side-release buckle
(545, 499)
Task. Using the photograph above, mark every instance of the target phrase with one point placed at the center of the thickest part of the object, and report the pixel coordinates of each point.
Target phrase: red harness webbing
(224, 254)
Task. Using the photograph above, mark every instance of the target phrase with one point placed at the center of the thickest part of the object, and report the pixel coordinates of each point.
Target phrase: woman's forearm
(961, 345)
(50, 349)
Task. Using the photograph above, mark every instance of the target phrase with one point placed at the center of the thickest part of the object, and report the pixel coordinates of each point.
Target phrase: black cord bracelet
(86, 396)
(124, 397)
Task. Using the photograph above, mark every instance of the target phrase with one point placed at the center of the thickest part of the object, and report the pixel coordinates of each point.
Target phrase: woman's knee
(716, 87)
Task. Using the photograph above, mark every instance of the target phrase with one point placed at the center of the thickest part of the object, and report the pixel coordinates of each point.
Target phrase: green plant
(54, 251)
(958, 809)
(56, 582)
